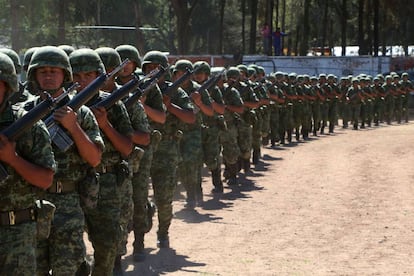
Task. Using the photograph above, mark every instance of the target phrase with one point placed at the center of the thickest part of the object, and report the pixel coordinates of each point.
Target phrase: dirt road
(339, 204)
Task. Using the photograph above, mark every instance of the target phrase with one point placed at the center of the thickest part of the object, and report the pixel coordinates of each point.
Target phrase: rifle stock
(25, 122)
(58, 136)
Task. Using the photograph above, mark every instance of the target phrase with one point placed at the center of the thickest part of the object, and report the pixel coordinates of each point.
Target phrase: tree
(183, 13)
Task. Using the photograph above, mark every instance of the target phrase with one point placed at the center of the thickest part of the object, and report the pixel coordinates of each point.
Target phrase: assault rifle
(175, 85)
(147, 85)
(59, 136)
(25, 122)
(210, 82)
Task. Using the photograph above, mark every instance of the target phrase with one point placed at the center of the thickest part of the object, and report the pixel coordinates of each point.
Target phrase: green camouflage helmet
(28, 56)
(243, 68)
(129, 52)
(8, 73)
(109, 57)
(86, 60)
(14, 57)
(233, 72)
(50, 56)
(183, 65)
(155, 57)
(251, 71)
(67, 48)
(261, 70)
(202, 67)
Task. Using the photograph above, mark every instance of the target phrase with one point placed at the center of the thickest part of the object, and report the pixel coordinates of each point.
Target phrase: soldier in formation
(97, 174)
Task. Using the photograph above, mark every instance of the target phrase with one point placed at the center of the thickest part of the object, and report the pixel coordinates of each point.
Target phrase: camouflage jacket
(34, 146)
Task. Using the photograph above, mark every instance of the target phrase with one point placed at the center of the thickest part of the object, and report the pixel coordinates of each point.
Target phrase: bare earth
(339, 204)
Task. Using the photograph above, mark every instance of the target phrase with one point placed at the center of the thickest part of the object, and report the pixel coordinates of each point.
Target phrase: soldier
(190, 144)
(104, 221)
(275, 106)
(19, 96)
(143, 209)
(378, 108)
(398, 101)
(30, 164)
(389, 91)
(316, 105)
(232, 115)
(248, 118)
(64, 250)
(180, 110)
(406, 88)
(354, 96)
(325, 92)
(213, 126)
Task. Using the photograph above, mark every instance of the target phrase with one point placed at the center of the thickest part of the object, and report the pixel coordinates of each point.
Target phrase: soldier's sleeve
(119, 118)
(139, 119)
(182, 100)
(41, 153)
(216, 95)
(235, 98)
(154, 99)
(90, 126)
(205, 97)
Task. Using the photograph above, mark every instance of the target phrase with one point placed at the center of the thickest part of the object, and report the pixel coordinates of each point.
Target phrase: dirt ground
(340, 204)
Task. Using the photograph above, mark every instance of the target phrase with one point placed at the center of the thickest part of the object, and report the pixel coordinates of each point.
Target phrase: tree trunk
(140, 40)
(183, 13)
(222, 7)
(361, 29)
(243, 11)
(15, 25)
(61, 22)
(283, 20)
(344, 17)
(253, 27)
(305, 37)
(324, 26)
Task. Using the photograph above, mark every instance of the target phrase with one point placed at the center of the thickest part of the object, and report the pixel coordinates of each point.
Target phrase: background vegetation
(209, 26)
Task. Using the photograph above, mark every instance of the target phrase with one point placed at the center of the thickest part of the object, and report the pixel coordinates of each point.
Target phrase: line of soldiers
(99, 181)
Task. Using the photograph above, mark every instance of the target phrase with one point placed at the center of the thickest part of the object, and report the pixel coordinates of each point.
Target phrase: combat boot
(163, 242)
(297, 134)
(139, 253)
(216, 179)
(246, 165)
(117, 271)
(256, 156)
(289, 134)
(150, 214)
(232, 180)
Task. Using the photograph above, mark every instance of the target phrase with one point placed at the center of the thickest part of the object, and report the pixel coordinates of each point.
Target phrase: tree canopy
(208, 27)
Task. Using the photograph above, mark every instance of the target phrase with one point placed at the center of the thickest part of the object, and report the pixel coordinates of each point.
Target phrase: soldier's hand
(7, 149)
(101, 116)
(196, 97)
(66, 117)
(166, 100)
(143, 98)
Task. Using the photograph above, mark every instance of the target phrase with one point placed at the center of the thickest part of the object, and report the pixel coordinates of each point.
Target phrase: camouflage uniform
(190, 145)
(18, 238)
(228, 139)
(354, 98)
(389, 91)
(64, 250)
(165, 161)
(406, 87)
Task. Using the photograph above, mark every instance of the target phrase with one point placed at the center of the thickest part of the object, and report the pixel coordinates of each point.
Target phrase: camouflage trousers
(18, 249)
(257, 134)
(64, 250)
(140, 197)
(211, 147)
(274, 123)
(228, 140)
(127, 210)
(103, 224)
(189, 169)
(244, 138)
(164, 181)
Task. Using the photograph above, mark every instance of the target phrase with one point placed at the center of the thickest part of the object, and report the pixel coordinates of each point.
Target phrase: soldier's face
(200, 77)
(84, 78)
(3, 91)
(50, 78)
(128, 69)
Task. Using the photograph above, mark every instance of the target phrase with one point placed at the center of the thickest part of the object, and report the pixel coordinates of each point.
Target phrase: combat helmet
(28, 56)
(8, 73)
(14, 57)
(183, 65)
(156, 57)
(67, 48)
(129, 52)
(202, 67)
(233, 72)
(109, 57)
(86, 60)
(49, 56)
